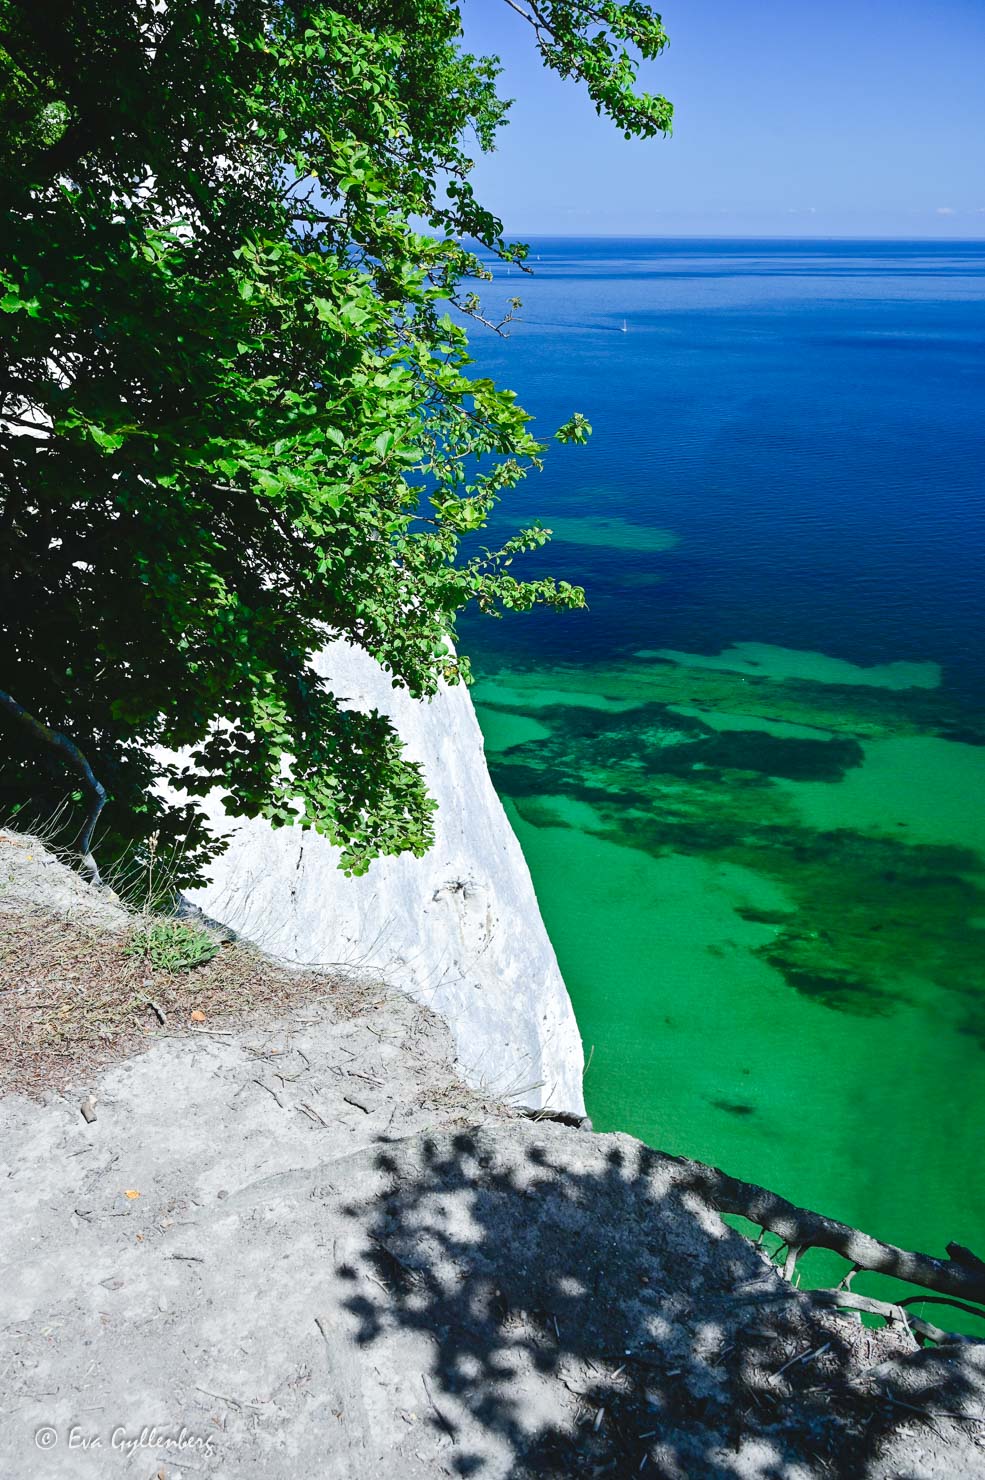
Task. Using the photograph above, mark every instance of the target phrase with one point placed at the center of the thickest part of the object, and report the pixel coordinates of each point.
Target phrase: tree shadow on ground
(588, 1317)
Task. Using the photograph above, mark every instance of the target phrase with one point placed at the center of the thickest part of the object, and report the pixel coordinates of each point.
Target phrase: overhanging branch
(963, 1276)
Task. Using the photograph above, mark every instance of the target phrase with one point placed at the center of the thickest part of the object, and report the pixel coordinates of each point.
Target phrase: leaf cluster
(237, 414)
(169, 945)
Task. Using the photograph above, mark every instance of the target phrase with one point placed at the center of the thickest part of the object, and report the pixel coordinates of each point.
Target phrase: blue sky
(792, 118)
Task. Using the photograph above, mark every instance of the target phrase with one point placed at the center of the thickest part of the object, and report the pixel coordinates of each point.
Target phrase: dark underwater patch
(971, 1024)
(732, 1108)
(791, 759)
(653, 739)
(964, 734)
(763, 917)
(837, 989)
(866, 909)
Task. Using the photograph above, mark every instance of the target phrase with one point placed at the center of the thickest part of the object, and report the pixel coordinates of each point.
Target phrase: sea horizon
(647, 236)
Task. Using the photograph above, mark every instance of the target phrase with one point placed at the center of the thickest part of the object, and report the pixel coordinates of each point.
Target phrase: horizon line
(739, 236)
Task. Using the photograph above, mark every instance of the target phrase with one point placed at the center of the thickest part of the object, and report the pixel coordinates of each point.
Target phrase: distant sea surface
(750, 779)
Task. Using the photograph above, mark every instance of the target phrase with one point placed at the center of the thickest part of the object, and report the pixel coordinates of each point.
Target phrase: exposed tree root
(800, 1230)
(893, 1314)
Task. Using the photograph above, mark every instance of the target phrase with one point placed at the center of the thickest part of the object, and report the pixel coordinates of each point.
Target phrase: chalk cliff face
(459, 930)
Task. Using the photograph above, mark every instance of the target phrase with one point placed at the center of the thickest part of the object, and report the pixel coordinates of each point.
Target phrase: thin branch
(846, 1300)
(74, 758)
(973, 1310)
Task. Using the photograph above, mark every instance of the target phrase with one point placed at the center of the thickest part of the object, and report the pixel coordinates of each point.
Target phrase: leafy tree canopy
(236, 412)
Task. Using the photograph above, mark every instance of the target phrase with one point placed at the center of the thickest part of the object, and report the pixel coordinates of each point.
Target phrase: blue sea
(809, 417)
(750, 779)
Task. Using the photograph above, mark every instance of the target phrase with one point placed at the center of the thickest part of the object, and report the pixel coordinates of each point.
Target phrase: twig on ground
(233, 1402)
(807, 1356)
(931, 1412)
(158, 1011)
(270, 1091)
(444, 1422)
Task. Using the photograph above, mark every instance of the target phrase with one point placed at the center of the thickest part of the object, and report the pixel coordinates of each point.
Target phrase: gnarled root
(800, 1229)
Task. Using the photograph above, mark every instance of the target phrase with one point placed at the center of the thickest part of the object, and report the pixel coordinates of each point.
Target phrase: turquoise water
(750, 780)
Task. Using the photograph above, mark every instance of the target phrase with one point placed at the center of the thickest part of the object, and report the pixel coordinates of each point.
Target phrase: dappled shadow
(587, 1316)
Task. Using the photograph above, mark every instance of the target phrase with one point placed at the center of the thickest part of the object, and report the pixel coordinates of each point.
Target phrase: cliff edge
(458, 930)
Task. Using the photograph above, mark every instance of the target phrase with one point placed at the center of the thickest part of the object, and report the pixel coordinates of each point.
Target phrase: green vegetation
(169, 945)
(237, 413)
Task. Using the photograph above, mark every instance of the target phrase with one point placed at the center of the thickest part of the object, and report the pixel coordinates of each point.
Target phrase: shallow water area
(934, 788)
(765, 660)
(613, 534)
(769, 969)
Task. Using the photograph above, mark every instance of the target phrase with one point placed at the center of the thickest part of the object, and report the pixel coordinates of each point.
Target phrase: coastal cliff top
(282, 1239)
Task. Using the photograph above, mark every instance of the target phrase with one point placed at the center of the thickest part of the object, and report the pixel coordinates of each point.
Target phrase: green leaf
(108, 441)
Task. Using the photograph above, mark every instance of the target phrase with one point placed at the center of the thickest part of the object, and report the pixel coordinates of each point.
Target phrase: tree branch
(74, 758)
(801, 1230)
(845, 1300)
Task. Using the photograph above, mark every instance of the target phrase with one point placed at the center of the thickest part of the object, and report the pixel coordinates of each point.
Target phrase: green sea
(750, 780)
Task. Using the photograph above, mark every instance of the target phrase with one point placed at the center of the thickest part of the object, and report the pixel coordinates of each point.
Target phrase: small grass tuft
(170, 945)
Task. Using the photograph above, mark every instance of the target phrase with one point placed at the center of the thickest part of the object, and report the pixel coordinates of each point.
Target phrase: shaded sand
(929, 788)
(763, 660)
(612, 534)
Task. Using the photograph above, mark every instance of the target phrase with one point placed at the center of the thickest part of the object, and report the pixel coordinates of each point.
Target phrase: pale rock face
(458, 930)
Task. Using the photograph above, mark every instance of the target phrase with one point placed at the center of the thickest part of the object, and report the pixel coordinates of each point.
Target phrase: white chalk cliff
(458, 930)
